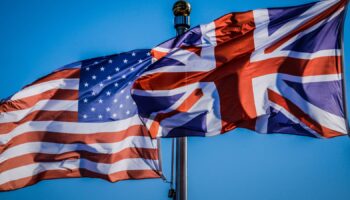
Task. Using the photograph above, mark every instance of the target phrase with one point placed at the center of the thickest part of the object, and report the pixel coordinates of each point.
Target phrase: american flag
(273, 70)
(78, 121)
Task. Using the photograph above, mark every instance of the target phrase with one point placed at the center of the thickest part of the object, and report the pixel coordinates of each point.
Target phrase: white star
(125, 60)
(87, 69)
(140, 61)
(133, 54)
(85, 100)
(127, 112)
(100, 116)
(115, 100)
(108, 109)
(124, 76)
(117, 69)
(84, 116)
(100, 101)
(129, 83)
(95, 62)
(116, 84)
(108, 93)
(114, 115)
(110, 61)
(122, 91)
(102, 69)
(132, 69)
(93, 93)
(127, 97)
(101, 84)
(148, 53)
(93, 77)
(133, 103)
(109, 77)
(121, 105)
(93, 109)
(86, 84)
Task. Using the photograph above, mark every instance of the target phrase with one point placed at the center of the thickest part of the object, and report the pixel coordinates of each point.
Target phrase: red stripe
(71, 138)
(40, 115)
(295, 66)
(235, 38)
(234, 26)
(302, 116)
(54, 174)
(28, 102)
(325, 14)
(184, 107)
(237, 107)
(66, 73)
(168, 80)
(94, 157)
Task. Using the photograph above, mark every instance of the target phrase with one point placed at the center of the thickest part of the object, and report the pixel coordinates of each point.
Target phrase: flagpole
(181, 10)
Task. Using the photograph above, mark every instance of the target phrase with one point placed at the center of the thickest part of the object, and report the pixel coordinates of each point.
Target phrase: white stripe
(100, 148)
(258, 56)
(161, 49)
(67, 165)
(71, 84)
(48, 105)
(261, 20)
(70, 127)
(208, 34)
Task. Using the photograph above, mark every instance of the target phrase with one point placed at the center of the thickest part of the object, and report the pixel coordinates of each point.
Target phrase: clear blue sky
(38, 36)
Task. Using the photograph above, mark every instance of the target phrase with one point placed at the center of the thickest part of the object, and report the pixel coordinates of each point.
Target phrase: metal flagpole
(181, 10)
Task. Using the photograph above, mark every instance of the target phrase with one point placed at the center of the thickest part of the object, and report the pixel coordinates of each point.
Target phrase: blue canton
(105, 83)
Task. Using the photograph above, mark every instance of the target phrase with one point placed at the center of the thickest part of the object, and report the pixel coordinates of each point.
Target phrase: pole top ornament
(182, 8)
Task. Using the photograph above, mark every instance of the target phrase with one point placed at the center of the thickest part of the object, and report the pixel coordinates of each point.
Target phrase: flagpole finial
(182, 8)
(182, 11)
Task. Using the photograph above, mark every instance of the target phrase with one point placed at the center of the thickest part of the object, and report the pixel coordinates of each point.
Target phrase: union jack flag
(273, 70)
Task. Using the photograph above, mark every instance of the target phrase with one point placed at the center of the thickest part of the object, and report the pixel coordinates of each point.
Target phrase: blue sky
(37, 37)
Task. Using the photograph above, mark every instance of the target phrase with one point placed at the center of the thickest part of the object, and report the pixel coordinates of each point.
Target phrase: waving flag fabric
(270, 70)
(78, 121)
